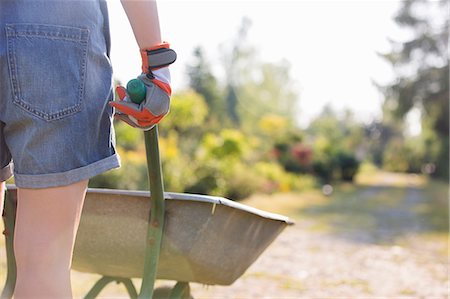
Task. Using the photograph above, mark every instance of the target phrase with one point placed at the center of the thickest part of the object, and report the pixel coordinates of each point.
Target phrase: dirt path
(311, 265)
(303, 263)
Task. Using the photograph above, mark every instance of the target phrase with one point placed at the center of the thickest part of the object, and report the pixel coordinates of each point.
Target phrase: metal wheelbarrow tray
(206, 239)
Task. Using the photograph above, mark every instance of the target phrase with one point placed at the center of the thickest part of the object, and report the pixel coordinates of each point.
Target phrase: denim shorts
(55, 84)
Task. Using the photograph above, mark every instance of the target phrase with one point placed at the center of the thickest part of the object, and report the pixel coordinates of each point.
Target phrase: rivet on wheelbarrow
(151, 242)
(155, 223)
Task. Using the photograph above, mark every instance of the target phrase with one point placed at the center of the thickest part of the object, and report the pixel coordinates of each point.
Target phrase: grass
(285, 281)
(354, 283)
(379, 207)
(435, 211)
(288, 204)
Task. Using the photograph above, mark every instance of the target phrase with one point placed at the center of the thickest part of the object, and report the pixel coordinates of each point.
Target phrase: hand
(156, 79)
(155, 105)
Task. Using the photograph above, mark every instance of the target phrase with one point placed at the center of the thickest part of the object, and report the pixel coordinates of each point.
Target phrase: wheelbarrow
(159, 235)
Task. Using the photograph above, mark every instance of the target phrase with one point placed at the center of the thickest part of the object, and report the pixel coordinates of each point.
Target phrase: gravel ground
(349, 263)
(305, 264)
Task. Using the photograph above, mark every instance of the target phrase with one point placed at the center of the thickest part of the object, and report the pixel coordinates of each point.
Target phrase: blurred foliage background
(237, 136)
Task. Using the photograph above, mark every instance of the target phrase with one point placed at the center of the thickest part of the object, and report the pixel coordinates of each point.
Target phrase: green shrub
(188, 110)
(395, 156)
(207, 180)
(228, 144)
(276, 179)
(348, 166)
(127, 137)
(324, 169)
(132, 175)
(241, 182)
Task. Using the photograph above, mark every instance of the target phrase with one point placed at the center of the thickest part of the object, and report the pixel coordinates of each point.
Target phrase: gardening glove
(156, 80)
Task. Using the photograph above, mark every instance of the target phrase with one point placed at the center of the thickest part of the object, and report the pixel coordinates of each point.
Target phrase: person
(55, 121)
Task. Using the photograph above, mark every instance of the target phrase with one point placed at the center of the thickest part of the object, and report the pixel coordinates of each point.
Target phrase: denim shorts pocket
(47, 65)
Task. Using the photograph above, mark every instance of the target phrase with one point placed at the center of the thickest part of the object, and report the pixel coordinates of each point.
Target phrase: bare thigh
(46, 224)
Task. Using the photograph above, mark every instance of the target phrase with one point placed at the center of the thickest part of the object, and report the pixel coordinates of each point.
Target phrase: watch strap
(157, 57)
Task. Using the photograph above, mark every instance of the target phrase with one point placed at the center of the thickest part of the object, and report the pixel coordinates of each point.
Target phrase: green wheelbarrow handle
(156, 222)
(137, 91)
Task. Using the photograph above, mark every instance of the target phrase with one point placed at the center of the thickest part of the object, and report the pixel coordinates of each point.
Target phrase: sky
(331, 45)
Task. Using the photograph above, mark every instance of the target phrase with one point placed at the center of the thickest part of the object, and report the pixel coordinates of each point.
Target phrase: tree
(267, 89)
(422, 69)
(232, 59)
(254, 88)
(377, 136)
(203, 81)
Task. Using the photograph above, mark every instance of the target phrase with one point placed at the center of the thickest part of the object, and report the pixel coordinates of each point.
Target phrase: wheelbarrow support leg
(130, 288)
(181, 291)
(98, 287)
(155, 225)
(105, 280)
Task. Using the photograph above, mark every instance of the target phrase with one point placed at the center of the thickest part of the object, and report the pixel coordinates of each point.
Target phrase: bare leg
(46, 226)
